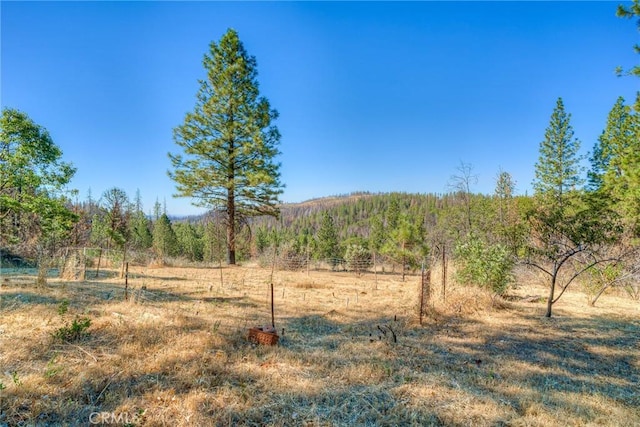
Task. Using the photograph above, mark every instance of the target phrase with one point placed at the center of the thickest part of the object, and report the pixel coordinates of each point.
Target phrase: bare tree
(461, 183)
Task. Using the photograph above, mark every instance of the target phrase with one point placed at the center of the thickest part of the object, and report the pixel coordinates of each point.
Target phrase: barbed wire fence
(86, 263)
(294, 261)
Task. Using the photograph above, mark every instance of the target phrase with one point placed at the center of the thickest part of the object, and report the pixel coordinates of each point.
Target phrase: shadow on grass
(96, 292)
(595, 355)
(563, 365)
(10, 301)
(352, 373)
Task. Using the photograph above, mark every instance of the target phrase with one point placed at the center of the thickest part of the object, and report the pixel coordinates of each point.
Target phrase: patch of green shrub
(358, 257)
(486, 265)
(73, 332)
(63, 307)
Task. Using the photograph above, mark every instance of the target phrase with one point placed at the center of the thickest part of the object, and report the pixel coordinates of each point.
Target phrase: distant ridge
(292, 210)
(333, 198)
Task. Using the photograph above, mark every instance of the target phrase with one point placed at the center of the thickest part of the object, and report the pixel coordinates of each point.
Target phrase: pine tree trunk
(124, 262)
(231, 231)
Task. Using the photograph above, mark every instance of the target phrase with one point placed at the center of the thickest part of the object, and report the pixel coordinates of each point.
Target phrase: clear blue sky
(372, 96)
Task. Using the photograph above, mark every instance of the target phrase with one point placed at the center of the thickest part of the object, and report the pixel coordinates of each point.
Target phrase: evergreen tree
(165, 243)
(137, 202)
(505, 187)
(157, 210)
(509, 231)
(558, 168)
(327, 239)
(405, 243)
(304, 243)
(568, 231)
(376, 234)
(141, 237)
(99, 235)
(261, 240)
(631, 172)
(357, 257)
(190, 244)
(615, 163)
(140, 226)
(393, 213)
(117, 214)
(609, 151)
(228, 141)
(630, 12)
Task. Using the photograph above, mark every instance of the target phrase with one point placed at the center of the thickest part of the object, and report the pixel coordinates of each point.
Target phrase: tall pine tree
(228, 141)
(615, 163)
(140, 226)
(609, 151)
(564, 224)
(631, 171)
(165, 242)
(558, 168)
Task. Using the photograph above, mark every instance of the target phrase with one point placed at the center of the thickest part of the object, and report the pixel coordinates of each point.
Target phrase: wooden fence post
(126, 281)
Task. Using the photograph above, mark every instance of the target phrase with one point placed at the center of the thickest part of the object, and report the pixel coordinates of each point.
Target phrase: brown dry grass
(176, 353)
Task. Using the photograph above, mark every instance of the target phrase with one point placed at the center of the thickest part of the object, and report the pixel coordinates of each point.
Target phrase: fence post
(421, 294)
(273, 319)
(84, 263)
(425, 288)
(99, 259)
(375, 269)
(444, 271)
(126, 281)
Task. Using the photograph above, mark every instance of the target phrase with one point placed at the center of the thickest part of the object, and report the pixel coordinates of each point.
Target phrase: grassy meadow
(175, 353)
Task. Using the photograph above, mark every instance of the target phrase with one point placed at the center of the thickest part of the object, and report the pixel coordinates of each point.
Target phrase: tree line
(577, 221)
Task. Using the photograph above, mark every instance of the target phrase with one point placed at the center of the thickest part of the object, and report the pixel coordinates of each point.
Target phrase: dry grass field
(176, 353)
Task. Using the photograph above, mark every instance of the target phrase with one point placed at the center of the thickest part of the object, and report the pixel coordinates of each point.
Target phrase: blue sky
(379, 96)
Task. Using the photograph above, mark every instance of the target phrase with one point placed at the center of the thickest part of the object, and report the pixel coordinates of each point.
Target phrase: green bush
(73, 332)
(484, 265)
(63, 307)
(358, 257)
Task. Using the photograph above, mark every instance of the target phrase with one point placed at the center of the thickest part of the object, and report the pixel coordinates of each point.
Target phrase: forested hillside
(373, 219)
